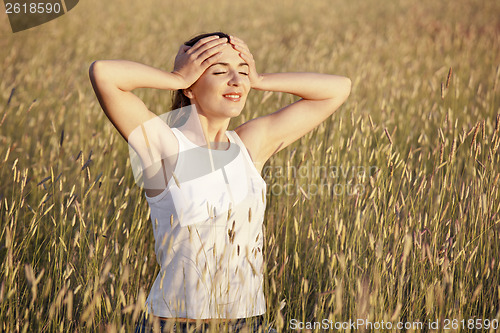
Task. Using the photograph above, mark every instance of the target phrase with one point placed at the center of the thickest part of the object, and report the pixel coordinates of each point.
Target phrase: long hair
(180, 100)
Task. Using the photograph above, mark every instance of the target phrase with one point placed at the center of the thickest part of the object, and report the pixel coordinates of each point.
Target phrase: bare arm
(114, 80)
(321, 95)
(151, 138)
(308, 86)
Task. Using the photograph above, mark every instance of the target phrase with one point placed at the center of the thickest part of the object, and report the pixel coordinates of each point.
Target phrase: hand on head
(245, 54)
(192, 61)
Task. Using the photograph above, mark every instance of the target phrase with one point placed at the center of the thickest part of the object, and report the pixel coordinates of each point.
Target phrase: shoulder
(253, 137)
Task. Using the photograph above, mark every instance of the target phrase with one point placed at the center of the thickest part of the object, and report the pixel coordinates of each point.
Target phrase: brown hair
(179, 99)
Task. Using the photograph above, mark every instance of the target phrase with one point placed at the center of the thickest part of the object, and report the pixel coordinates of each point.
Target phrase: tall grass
(402, 226)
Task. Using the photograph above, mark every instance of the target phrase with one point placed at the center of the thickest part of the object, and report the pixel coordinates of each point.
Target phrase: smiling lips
(234, 97)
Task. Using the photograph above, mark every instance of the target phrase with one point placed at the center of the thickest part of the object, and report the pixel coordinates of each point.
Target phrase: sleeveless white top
(208, 235)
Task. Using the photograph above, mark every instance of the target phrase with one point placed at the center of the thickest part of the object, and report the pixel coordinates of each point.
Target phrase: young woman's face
(221, 91)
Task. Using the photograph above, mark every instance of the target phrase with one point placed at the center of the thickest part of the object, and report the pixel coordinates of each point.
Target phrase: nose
(235, 79)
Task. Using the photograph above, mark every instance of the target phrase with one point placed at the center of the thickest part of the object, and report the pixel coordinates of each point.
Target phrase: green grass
(418, 243)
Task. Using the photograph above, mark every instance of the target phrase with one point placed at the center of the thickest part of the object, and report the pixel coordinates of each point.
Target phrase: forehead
(230, 55)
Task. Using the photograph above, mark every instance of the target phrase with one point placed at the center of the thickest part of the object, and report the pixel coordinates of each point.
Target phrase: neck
(214, 131)
(205, 129)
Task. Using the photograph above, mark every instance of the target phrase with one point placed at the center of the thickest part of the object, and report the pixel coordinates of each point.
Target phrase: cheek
(209, 84)
(246, 84)
(203, 89)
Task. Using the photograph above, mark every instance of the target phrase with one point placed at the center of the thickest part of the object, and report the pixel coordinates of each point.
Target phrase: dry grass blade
(388, 135)
(473, 142)
(421, 229)
(448, 79)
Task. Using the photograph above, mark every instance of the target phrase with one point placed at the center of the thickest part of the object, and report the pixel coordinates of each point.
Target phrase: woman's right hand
(192, 61)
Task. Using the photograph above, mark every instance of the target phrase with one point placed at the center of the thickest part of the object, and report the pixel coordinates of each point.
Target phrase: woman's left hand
(246, 55)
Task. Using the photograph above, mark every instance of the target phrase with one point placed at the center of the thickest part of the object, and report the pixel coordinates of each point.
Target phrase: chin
(235, 113)
(232, 111)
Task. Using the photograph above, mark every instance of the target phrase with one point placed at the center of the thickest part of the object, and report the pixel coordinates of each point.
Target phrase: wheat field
(388, 212)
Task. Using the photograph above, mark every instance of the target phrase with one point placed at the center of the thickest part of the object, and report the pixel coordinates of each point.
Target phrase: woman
(202, 182)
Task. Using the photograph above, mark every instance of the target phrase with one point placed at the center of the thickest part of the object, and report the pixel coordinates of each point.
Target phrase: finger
(206, 42)
(246, 54)
(216, 44)
(247, 58)
(183, 48)
(209, 52)
(241, 47)
(236, 39)
(209, 61)
(236, 43)
(240, 43)
(201, 42)
(250, 62)
(202, 54)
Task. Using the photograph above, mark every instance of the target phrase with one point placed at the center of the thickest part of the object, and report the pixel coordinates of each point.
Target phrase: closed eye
(219, 73)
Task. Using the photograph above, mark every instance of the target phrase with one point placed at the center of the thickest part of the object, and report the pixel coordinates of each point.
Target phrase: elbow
(95, 70)
(344, 90)
(346, 87)
(95, 75)
(341, 91)
(99, 73)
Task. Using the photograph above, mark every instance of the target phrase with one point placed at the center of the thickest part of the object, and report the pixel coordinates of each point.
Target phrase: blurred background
(419, 242)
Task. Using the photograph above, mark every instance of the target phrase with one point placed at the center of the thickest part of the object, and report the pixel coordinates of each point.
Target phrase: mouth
(234, 97)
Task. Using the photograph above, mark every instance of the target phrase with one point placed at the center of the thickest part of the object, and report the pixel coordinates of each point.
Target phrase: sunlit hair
(179, 99)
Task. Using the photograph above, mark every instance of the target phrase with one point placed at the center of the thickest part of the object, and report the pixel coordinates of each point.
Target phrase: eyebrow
(227, 65)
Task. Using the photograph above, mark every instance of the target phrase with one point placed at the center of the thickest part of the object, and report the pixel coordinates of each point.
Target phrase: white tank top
(208, 235)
